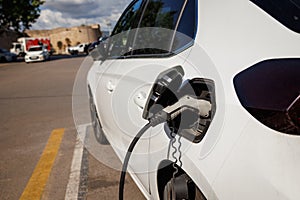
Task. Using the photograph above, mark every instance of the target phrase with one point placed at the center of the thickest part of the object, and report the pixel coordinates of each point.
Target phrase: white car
(80, 48)
(37, 53)
(243, 58)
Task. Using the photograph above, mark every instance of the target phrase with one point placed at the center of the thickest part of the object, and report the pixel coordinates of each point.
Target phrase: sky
(68, 13)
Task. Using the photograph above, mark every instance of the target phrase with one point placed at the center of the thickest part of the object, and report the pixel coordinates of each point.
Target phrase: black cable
(158, 118)
(127, 157)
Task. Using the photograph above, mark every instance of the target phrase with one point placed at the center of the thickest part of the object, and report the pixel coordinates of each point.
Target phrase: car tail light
(270, 92)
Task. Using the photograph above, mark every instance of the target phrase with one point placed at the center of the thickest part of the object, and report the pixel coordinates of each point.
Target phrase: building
(7, 37)
(61, 38)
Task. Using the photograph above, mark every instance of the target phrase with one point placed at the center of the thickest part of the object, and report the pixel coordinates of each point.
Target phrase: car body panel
(114, 82)
(239, 158)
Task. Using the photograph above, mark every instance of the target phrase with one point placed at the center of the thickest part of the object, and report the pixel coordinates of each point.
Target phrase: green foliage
(19, 14)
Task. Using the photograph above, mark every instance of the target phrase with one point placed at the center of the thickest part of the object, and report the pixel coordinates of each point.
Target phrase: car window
(120, 39)
(161, 16)
(162, 13)
(35, 49)
(286, 12)
(187, 26)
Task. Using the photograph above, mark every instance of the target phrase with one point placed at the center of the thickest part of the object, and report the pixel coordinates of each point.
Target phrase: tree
(19, 14)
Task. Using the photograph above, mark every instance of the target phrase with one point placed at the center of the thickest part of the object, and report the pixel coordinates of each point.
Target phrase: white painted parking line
(74, 179)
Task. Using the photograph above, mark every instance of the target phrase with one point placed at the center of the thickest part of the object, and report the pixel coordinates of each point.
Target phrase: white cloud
(51, 19)
(66, 13)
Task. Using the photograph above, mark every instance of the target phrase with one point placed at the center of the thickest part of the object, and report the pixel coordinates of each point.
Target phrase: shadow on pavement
(65, 56)
(53, 57)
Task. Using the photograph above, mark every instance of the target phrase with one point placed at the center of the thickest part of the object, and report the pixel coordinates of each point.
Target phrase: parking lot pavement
(104, 182)
(97, 180)
(35, 100)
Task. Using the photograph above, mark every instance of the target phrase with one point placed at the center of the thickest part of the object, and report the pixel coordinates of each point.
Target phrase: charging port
(187, 124)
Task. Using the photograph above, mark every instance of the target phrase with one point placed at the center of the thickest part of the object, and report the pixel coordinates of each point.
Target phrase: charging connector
(187, 102)
(199, 106)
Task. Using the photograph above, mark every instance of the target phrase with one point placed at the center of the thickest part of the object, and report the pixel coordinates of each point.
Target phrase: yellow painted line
(36, 185)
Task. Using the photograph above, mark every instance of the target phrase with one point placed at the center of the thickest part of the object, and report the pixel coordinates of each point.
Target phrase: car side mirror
(99, 53)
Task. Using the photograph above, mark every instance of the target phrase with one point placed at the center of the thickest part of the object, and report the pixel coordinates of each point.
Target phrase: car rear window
(286, 12)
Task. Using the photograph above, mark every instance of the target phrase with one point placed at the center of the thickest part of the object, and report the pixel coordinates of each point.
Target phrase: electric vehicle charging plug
(199, 106)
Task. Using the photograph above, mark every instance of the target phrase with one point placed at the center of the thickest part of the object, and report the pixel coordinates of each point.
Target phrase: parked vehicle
(37, 53)
(6, 56)
(243, 57)
(80, 48)
(93, 45)
(24, 43)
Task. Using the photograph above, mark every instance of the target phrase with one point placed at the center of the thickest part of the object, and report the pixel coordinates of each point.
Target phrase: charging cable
(166, 115)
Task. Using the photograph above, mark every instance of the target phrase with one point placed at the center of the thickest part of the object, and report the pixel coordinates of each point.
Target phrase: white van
(240, 56)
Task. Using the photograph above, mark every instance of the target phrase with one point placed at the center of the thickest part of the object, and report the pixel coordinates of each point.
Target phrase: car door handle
(110, 86)
(140, 99)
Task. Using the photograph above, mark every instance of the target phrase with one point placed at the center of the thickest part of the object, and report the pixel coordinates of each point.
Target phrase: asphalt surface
(36, 99)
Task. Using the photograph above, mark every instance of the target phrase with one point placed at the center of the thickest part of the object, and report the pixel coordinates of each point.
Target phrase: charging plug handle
(199, 106)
